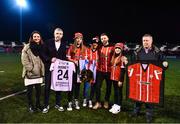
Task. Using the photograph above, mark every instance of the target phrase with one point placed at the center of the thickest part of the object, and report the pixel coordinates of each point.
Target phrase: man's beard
(104, 43)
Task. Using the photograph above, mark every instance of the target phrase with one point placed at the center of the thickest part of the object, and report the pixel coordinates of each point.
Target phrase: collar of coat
(26, 47)
(154, 48)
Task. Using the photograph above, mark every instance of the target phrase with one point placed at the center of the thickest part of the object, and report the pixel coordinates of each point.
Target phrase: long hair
(82, 47)
(113, 62)
(31, 37)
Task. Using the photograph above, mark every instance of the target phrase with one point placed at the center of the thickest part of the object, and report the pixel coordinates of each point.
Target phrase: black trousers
(47, 89)
(101, 76)
(74, 93)
(117, 93)
(30, 91)
(149, 109)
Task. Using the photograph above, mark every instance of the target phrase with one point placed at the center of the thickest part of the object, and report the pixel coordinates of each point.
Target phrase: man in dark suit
(53, 49)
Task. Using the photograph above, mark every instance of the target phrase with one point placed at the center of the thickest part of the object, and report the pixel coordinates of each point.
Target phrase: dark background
(123, 21)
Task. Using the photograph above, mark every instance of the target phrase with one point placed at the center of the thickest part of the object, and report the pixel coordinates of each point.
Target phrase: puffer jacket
(33, 66)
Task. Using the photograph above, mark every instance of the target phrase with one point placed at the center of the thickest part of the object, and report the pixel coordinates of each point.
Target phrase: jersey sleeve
(73, 67)
(51, 67)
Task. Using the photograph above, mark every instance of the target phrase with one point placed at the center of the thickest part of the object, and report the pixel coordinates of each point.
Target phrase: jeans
(86, 90)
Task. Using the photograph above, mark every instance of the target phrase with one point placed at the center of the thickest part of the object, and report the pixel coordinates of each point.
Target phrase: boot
(97, 105)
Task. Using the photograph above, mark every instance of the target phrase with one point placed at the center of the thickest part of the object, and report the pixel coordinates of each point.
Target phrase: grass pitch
(14, 109)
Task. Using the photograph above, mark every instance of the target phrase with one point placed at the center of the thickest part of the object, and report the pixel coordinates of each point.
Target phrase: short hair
(147, 35)
(103, 34)
(58, 29)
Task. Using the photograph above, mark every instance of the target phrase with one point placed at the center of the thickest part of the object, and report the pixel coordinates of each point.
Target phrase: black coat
(154, 56)
(49, 51)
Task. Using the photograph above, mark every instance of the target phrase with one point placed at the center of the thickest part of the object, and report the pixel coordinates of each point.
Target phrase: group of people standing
(105, 60)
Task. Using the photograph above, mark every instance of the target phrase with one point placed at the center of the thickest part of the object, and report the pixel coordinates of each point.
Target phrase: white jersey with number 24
(62, 75)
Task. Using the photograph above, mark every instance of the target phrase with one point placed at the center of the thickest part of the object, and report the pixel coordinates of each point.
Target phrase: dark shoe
(39, 107)
(133, 114)
(56, 106)
(31, 109)
(149, 119)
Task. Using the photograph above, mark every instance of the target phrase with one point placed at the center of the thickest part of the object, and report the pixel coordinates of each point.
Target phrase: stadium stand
(11, 46)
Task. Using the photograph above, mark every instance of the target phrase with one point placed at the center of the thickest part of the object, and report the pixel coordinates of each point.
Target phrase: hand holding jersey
(53, 59)
(165, 64)
(146, 77)
(76, 62)
(119, 83)
(124, 60)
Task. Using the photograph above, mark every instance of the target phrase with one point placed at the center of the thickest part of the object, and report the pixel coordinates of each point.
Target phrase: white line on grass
(14, 94)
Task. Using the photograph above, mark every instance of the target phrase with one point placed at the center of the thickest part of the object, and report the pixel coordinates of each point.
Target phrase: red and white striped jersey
(145, 82)
(116, 70)
(77, 55)
(105, 55)
(93, 56)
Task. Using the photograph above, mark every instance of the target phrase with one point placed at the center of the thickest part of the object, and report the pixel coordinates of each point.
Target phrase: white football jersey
(62, 75)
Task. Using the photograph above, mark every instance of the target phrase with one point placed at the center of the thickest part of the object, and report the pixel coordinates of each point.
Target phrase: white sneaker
(117, 109)
(112, 108)
(77, 104)
(45, 110)
(61, 109)
(84, 103)
(69, 108)
(90, 104)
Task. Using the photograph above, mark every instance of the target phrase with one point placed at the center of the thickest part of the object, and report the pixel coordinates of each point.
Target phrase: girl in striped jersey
(117, 76)
(92, 65)
(76, 52)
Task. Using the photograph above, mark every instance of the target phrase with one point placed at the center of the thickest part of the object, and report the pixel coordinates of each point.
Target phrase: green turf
(10, 79)
(14, 109)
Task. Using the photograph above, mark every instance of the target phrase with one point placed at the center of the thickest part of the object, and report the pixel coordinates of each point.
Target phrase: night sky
(121, 20)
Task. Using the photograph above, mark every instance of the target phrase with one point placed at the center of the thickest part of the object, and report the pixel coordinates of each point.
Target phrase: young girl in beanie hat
(118, 63)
